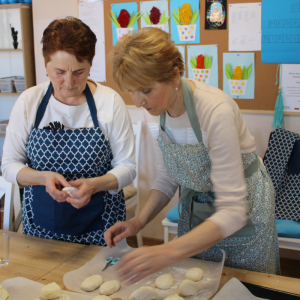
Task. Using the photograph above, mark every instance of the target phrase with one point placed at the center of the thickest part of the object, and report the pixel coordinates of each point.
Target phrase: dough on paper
(91, 283)
(144, 293)
(4, 294)
(69, 189)
(164, 281)
(50, 291)
(194, 274)
(188, 288)
(109, 287)
(174, 297)
(63, 297)
(101, 297)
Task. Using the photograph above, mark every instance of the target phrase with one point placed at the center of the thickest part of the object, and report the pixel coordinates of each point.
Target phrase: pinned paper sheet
(244, 27)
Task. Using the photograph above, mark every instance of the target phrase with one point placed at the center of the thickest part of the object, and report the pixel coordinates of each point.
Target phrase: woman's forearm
(106, 182)
(156, 201)
(28, 176)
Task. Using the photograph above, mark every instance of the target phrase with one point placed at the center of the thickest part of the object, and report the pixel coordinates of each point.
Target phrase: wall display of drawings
(124, 17)
(155, 14)
(203, 64)
(239, 75)
(185, 21)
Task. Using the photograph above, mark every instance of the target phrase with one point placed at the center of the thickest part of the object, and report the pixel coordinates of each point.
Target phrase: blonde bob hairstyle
(144, 57)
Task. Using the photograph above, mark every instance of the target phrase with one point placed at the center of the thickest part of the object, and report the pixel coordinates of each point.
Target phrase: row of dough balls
(105, 288)
(187, 287)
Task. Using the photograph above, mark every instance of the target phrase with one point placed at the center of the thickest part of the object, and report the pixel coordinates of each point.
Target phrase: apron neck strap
(45, 101)
(190, 108)
(43, 106)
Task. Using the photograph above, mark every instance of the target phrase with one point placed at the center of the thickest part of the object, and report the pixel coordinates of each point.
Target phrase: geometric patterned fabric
(282, 161)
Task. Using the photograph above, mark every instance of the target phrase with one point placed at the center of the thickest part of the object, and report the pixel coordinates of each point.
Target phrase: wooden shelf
(2, 134)
(14, 5)
(10, 94)
(10, 50)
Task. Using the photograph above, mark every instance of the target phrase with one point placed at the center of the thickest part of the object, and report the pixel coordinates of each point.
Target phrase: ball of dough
(194, 274)
(164, 281)
(144, 293)
(188, 288)
(4, 294)
(91, 283)
(101, 297)
(69, 189)
(109, 287)
(174, 297)
(50, 291)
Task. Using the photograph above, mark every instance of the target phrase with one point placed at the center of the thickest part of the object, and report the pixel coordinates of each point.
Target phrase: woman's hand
(81, 197)
(53, 184)
(144, 261)
(120, 231)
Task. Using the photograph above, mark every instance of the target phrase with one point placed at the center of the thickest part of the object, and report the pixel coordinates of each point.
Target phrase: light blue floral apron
(74, 153)
(255, 246)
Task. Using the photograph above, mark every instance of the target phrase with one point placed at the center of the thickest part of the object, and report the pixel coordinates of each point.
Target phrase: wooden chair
(12, 205)
(131, 192)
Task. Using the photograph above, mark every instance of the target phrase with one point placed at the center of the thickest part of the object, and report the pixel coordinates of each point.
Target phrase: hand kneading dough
(4, 294)
(188, 288)
(144, 293)
(91, 283)
(101, 297)
(109, 287)
(194, 274)
(174, 297)
(50, 291)
(164, 281)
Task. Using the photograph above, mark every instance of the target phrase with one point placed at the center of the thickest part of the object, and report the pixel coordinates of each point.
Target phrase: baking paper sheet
(207, 286)
(235, 290)
(20, 288)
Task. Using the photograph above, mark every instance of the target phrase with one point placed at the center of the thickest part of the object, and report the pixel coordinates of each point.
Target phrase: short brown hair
(70, 35)
(144, 57)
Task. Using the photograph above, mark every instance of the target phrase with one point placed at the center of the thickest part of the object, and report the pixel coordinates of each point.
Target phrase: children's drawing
(185, 19)
(201, 67)
(239, 75)
(202, 62)
(156, 19)
(155, 14)
(123, 20)
(238, 80)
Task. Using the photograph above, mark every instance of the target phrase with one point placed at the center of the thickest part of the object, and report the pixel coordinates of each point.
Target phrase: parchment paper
(235, 290)
(21, 288)
(208, 285)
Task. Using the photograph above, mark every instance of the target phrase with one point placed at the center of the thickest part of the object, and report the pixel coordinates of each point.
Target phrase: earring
(176, 89)
(46, 74)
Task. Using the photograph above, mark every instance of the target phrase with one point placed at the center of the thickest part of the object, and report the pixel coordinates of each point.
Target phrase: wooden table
(45, 261)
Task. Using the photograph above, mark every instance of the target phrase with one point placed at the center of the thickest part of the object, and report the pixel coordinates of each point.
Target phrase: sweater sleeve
(227, 172)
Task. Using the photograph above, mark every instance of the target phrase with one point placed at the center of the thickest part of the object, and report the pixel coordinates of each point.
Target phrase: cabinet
(15, 62)
(19, 60)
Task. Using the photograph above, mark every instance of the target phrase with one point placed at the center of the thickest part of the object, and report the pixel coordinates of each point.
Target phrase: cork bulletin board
(265, 73)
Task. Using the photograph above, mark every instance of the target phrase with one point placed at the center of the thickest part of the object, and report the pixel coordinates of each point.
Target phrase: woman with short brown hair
(70, 132)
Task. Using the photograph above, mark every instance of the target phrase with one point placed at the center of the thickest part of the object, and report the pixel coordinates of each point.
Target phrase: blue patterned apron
(74, 153)
(255, 246)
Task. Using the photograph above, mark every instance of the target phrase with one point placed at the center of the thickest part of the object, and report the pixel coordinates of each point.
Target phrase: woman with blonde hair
(202, 144)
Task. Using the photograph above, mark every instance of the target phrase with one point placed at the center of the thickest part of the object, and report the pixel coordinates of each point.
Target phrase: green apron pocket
(199, 212)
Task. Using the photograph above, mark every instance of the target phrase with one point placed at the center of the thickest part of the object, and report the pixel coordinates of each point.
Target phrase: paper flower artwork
(201, 67)
(124, 22)
(238, 80)
(156, 19)
(185, 19)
